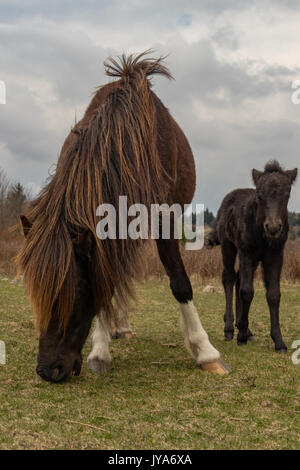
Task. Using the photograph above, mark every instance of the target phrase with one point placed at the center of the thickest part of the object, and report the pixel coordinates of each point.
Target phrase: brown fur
(126, 144)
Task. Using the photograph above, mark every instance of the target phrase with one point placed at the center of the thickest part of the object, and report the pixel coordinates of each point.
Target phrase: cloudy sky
(233, 61)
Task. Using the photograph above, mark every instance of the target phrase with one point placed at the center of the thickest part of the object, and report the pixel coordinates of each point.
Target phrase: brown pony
(128, 144)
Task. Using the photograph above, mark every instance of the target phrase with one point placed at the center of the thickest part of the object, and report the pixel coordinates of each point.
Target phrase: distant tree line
(208, 217)
(13, 196)
(294, 219)
(294, 222)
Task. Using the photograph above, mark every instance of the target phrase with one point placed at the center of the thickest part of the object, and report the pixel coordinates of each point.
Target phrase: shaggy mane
(273, 166)
(112, 151)
(129, 66)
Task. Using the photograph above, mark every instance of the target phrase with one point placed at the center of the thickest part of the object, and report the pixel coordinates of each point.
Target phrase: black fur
(253, 224)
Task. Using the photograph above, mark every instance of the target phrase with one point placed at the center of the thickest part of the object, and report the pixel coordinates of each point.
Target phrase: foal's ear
(256, 175)
(26, 225)
(292, 174)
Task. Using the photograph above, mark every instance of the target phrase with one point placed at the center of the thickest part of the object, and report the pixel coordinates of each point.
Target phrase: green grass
(155, 397)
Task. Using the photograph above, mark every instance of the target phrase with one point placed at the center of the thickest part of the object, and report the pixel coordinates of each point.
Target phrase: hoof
(241, 342)
(123, 335)
(216, 367)
(251, 338)
(99, 366)
(281, 350)
(228, 335)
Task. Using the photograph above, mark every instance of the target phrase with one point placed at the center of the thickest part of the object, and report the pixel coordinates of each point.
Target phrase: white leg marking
(195, 337)
(100, 341)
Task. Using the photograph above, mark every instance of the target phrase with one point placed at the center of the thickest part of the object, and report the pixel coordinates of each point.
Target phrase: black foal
(253, 224)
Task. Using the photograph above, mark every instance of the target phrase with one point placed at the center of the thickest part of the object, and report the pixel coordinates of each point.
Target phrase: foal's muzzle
(273, 229)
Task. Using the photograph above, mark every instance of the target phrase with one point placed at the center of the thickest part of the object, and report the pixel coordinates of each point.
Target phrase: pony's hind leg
(229, 252)
(121, 322)
(99, 359)
(196, 338)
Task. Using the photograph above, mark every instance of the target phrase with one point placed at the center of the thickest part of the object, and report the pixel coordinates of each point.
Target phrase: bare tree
(4, 185)
(12, 198)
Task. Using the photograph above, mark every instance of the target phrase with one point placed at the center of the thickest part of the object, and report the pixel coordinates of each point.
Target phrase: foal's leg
(99, 359)
(196, 338)
(121, 322)
(239, 306)
(238, 302)
(272, 265)
(246, 294)
(228, 278)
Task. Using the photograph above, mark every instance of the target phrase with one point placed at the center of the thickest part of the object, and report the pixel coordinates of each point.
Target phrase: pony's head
(64, 305)
(273, 187)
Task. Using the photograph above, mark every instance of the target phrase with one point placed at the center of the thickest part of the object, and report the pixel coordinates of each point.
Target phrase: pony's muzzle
(60, 371)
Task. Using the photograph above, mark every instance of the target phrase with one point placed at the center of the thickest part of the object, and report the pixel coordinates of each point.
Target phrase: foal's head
(273, 187)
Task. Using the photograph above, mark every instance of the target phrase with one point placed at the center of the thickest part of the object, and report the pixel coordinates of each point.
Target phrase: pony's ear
(292, 174)
(26, 225)
(256, 175)
(83, 242)
(82, 238)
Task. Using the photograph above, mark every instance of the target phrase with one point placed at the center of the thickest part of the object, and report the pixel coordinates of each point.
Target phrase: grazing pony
(127, 144)
(253, 223)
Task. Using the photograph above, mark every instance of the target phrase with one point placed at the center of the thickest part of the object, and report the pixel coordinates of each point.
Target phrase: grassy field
(155, 397)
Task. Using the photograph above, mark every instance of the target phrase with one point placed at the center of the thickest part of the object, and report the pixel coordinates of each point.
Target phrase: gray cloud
(234, 108)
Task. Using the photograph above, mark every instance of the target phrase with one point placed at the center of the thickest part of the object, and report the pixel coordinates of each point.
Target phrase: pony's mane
(113, 153)
(129, 65)
(273, 166)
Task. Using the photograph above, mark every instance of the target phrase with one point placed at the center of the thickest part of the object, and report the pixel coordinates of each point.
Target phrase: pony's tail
(48, 265)
(211, 239)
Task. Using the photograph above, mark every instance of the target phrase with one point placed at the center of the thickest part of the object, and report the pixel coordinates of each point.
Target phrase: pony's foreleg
(99, 359)
(196, 338)
(121, 322)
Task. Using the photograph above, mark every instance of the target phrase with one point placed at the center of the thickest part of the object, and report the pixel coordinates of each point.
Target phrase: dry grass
(10, 243)
(207, 264)
(204, 264)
